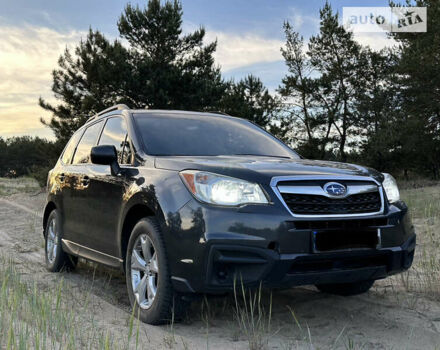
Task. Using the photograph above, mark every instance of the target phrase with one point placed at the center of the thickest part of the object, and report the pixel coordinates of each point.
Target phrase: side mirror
(106, 155)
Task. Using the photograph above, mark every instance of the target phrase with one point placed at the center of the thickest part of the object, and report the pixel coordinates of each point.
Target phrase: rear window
(186, 135)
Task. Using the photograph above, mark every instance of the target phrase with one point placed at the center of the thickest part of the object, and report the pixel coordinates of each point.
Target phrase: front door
(107, 190)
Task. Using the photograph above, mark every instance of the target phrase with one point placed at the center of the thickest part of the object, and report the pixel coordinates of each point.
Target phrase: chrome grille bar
(352, 189)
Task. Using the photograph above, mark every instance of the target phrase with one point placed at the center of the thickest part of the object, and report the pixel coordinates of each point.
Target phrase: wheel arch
(136, 212)
(50, 206)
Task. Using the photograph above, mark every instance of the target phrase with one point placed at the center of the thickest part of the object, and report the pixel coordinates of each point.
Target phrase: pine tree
(251, 100)
(418, 72)
(297, 90)
(161, 68)
(308, 105)
(336, 56)
(321, 86)
(171, 70)
(87, 81)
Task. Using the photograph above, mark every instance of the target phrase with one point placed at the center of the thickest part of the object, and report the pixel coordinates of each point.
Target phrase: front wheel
(346, 289)
(148, 278)
(56, 259)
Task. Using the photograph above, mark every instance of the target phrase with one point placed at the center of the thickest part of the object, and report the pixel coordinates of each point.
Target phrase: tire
(146, 245)
(346, 289)
(56, 259)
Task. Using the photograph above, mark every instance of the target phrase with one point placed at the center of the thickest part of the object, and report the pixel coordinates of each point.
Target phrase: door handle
(85, 181)
(61, 177)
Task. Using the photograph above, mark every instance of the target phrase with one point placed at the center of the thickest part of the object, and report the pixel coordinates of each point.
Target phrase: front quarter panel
(162, 191)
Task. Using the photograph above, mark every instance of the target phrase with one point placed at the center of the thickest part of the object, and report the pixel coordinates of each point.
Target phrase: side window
(70, 148)
(115, 134)
(88, 140)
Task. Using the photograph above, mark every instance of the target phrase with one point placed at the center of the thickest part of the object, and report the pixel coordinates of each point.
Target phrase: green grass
(253, 319)
(46, 319)
(423, 278)
(18, 185)
(423, 202)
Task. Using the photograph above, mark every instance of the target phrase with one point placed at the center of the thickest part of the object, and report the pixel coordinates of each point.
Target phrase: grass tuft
(253, 320)
(32, 318)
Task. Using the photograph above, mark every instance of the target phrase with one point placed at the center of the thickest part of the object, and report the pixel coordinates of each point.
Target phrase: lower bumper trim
(233, 264)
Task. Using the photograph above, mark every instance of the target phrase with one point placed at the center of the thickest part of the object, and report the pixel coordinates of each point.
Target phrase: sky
(33, 34)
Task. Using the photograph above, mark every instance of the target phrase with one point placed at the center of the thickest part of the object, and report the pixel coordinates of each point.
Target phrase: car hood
(263, 168)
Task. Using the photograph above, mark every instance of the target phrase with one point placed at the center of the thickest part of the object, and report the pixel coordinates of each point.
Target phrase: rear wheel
(148, 277)
(56, 258)
(346, 289)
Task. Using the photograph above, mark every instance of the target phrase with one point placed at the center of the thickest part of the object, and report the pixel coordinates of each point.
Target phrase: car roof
(179, 112)
(164, 112)
(119, 109)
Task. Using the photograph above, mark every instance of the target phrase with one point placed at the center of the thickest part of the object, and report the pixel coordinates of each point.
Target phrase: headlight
(222, 190)
(390, 186)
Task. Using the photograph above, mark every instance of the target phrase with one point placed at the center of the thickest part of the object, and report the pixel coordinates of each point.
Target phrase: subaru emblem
(335, 189)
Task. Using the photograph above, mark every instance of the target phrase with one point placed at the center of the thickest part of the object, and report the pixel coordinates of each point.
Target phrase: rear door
(79, 217)
(61, 175)
(108, 190)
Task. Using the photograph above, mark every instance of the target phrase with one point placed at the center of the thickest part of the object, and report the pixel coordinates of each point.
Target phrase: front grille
(369, 202)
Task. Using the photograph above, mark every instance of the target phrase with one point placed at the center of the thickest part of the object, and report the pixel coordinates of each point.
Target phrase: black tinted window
(88, 140)
(184, 135)
(70, 148)
(115, 134)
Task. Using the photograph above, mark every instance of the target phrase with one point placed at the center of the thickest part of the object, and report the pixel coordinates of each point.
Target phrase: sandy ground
(384, 318)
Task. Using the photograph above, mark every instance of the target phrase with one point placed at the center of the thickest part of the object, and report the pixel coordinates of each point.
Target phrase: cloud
(234, 50)
(302, 22)
(239, 50)
(296, 19)
(376, 41)
(28, 54)
(246, 49)
(271, 73)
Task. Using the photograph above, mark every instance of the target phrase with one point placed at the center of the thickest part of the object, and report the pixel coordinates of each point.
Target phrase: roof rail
(110, 109)
(217, 112)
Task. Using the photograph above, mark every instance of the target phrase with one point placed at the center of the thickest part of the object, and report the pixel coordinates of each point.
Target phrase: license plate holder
(324, 241)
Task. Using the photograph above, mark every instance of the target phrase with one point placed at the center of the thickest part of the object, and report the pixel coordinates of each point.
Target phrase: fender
(163, 195)
(146, 199)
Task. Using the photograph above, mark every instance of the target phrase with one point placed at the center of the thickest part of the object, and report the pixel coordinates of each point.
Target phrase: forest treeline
(339, 100)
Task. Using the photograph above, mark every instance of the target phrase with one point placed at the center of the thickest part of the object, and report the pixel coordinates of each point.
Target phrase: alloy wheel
(52, 241)
(144, 271)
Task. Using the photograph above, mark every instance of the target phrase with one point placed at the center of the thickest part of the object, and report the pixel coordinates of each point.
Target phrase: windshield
(186, 135)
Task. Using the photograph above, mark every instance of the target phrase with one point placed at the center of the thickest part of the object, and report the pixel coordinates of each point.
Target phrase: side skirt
(91, 254)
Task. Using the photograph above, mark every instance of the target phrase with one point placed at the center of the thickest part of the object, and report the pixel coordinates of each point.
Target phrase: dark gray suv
(188, 202)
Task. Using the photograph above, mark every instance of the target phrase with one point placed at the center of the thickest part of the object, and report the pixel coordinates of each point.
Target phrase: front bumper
(250, 266)
(218, 248)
